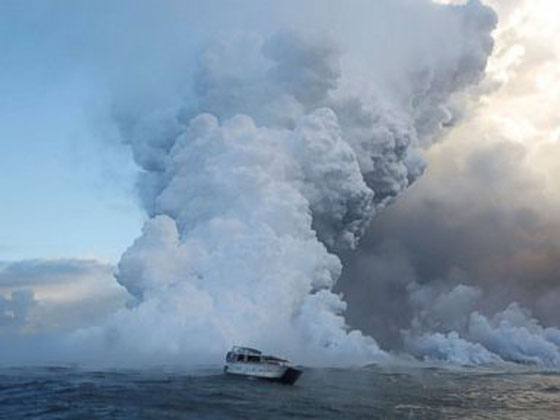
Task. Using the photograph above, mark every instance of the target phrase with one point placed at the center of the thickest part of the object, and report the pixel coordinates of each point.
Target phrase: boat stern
(291, 375)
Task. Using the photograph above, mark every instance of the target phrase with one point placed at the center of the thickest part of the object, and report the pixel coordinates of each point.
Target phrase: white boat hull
(267, 371)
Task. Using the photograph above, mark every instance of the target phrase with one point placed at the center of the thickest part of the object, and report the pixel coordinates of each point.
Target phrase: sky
(69, 178)
(73, 74)
(64, 183)
(62, 186)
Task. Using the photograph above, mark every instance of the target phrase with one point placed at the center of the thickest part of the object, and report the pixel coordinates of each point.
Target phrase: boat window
(253, 359)
(275, 360)
(240, 358)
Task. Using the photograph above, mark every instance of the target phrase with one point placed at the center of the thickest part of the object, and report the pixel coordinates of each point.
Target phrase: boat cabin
(246, 361)
(249, 355)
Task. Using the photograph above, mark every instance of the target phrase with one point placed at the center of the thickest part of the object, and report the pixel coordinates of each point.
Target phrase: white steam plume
(467, 336)
(276, 161)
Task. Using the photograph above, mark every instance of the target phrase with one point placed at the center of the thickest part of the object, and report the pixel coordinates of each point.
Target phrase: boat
(245, 361)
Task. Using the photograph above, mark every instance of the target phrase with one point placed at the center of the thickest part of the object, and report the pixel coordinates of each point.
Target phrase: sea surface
(365, 393)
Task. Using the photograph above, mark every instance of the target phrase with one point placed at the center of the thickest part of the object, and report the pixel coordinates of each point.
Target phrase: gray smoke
(476, 235)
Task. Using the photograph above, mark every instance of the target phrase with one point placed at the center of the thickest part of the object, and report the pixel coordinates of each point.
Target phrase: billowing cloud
(56, 295)
(15, 309)
(482, 221)
(276, 160)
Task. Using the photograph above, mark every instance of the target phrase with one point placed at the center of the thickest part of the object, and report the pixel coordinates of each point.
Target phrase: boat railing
(245, 350)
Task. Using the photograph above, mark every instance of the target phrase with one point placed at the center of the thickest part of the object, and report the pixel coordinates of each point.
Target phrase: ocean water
(366, 393)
